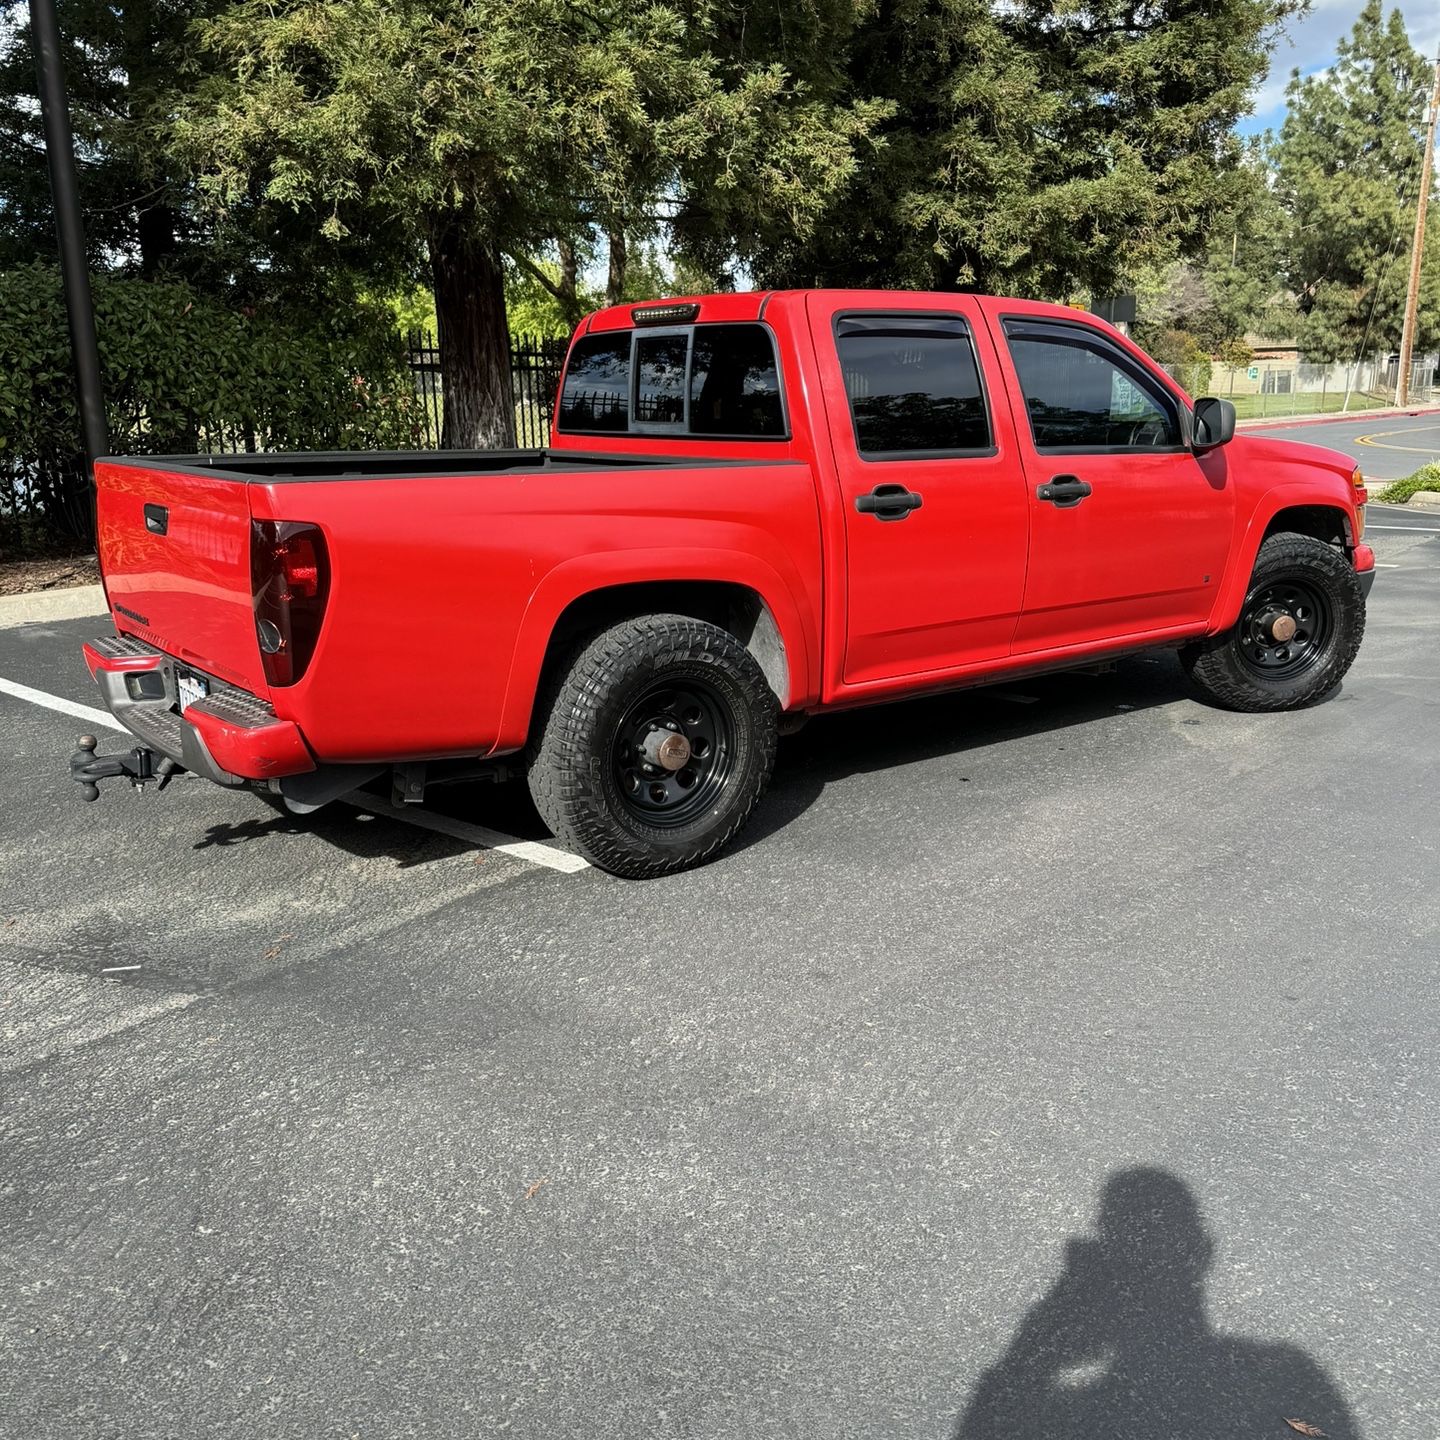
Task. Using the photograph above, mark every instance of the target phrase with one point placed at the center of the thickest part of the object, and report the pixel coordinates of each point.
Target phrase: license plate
(190, 688)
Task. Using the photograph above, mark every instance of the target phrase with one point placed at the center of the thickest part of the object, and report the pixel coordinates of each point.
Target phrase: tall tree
(1347, 168)
(1038, 148)
(482, 128)
(121, 63)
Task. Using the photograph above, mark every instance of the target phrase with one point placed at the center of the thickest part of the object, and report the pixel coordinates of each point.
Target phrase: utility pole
(1417, 249)
(74, 270)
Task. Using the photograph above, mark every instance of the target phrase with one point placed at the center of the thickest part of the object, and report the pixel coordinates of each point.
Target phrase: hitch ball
(89, 790)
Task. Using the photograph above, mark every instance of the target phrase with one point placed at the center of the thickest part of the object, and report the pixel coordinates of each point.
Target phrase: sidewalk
(39, 605)
(1334, 417)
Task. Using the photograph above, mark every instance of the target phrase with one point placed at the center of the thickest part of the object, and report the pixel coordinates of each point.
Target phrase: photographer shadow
(1121, 1347)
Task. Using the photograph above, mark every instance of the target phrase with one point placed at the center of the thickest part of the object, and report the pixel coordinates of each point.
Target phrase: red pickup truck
(754, 508)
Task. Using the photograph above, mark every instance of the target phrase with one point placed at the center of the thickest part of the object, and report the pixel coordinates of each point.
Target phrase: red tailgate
(175, 552)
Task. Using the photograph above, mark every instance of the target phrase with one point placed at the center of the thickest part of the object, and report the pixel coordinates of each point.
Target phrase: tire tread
(562, 757)
(1214, 668)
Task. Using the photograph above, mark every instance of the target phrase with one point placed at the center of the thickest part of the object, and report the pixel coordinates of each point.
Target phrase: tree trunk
(619, 257)
(569, 276)
(156, 225)
(474, 338)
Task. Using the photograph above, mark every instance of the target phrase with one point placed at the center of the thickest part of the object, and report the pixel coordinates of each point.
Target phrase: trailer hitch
(139, 766)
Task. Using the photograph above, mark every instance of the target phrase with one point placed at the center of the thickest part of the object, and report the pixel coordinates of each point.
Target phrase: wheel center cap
(1282, 628)
(667, 750)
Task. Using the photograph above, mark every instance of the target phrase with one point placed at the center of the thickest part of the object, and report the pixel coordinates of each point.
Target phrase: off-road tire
(1228, 670)
(576, 766)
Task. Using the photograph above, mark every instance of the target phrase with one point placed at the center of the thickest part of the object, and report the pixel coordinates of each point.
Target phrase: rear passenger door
(934, 503)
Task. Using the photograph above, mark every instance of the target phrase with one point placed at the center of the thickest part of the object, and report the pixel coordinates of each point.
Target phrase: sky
(1309, 45)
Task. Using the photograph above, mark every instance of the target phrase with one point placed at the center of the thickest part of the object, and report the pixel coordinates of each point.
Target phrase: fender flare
(1246, 549)
(585, 575)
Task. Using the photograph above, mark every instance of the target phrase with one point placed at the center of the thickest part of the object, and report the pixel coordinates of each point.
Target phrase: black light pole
(60, 152)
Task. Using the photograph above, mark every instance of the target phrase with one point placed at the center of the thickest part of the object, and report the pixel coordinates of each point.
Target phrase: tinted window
(913, 384)
(734, 382)
(1080, 395)
(597, 384)
(660, 379)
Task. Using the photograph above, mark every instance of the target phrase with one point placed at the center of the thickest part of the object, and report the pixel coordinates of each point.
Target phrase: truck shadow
(1121, 1345)
(365, 836)
(829, 749)
(888, 737)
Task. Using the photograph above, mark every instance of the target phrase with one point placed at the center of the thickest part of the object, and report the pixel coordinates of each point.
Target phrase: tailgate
(174, 549)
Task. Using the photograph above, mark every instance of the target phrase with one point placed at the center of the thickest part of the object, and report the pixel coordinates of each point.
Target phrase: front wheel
(1298, 632)
(657, 745)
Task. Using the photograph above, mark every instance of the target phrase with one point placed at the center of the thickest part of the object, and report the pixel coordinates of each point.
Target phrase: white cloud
(1308, 45)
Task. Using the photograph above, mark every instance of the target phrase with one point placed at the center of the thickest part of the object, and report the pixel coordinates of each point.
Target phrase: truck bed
(444, 573)
(274, 467)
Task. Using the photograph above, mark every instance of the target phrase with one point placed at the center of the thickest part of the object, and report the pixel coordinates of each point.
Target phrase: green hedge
(182, 374)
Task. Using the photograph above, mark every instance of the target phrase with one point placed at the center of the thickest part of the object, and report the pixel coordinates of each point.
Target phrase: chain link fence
(1296, 387)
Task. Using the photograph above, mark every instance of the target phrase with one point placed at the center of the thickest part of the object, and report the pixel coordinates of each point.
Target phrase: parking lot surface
(1050, 1060)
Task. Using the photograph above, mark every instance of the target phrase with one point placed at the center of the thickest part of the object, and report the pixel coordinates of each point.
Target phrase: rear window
(713, 380)
(597, 385)
(660, 378)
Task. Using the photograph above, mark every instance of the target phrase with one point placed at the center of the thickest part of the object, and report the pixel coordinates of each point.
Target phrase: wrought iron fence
(535, 366)
(47, 500)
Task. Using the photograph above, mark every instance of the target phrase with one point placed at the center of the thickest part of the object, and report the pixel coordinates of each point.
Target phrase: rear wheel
(658, 742)
(1298, 633)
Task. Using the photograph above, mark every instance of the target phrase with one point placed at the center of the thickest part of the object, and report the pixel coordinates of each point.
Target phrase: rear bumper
(230, 737)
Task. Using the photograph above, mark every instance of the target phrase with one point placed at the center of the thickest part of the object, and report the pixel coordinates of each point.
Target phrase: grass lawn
(1253, 407)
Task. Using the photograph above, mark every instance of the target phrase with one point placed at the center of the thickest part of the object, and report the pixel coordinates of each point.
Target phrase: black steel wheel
(674, 752)
(657, 743)
(1298, 633)
(1286, 626)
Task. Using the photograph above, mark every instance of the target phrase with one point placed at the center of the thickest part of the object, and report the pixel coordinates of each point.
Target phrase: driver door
(1128, 534)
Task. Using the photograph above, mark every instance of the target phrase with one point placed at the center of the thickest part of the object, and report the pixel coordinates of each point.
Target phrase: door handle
(157, 519)
(1063, 491)
(888, 502)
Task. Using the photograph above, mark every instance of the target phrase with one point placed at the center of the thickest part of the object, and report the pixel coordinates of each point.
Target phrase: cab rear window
(712, 380)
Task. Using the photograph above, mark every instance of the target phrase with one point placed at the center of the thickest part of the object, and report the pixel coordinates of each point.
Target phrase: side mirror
(1214, 423)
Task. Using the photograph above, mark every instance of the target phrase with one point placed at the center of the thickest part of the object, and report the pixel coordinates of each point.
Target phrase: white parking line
(89, 713)
(1411, 529)
(531, 850)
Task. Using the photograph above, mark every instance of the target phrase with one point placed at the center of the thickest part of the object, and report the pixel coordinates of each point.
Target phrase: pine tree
(484, 128)
(1037, 149)
(1347, 172)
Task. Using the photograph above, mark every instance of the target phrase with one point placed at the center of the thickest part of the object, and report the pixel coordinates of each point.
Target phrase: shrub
(1427, 477)
(183, 374)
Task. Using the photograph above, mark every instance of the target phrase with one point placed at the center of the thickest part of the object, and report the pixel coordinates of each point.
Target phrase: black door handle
(1063, 491)
(888, 502)
(157, 519)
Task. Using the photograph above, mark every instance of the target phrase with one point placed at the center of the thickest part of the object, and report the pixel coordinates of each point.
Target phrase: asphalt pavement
(1385, 447)
(1056, 1060)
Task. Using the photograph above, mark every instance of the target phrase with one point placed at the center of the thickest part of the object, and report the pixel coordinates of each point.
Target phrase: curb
(1336, 417)
(1426, 499)
(70, 604)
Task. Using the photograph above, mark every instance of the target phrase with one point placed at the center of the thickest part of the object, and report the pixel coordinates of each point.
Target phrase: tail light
(1357, 481)
(290, 580)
